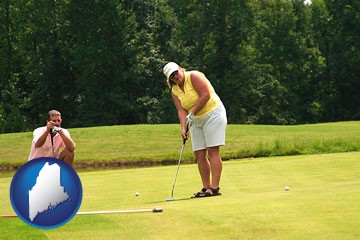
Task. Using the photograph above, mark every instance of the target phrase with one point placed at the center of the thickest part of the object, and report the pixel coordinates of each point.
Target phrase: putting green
(322, 203)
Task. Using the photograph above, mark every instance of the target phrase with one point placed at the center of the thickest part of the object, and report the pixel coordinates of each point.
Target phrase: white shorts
(209, 130)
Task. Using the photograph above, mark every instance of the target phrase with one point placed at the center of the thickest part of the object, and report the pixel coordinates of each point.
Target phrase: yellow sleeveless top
(189, 96)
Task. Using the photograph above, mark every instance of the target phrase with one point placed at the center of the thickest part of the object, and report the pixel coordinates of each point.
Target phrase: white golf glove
(190, 118)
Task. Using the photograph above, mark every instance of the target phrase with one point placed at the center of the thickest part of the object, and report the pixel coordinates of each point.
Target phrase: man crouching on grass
(52, 140)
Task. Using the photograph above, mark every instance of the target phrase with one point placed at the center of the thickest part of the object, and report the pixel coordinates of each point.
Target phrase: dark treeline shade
(100, 62)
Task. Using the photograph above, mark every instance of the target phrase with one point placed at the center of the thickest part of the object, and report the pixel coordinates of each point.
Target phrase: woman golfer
(200, 108)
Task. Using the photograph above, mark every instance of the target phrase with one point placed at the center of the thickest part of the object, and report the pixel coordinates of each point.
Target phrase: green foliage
(14, 121)
(343, 55)
(100, 62)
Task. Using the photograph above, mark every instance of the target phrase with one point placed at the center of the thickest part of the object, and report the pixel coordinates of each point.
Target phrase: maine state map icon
(46, 193)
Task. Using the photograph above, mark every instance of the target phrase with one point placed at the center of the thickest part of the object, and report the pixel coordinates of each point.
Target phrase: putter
(154, 210)
(52, 143)
(177, 169)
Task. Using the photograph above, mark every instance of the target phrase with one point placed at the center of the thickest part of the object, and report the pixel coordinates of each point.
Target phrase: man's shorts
(209, 130)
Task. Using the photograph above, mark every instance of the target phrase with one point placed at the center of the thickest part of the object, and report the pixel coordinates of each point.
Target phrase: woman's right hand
(185, 133)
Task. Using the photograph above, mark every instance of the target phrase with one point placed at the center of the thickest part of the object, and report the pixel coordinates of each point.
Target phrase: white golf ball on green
(137, 194)
(286, 188)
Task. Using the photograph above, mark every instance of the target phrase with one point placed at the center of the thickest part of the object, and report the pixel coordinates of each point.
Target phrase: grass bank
(144, 145)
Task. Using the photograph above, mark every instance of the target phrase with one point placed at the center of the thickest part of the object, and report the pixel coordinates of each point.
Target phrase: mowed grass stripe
(323, 202)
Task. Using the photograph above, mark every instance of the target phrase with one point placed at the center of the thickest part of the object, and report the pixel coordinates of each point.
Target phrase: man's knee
(67, 156)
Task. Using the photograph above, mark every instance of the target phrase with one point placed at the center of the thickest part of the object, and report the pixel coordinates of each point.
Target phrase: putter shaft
(177, 170)
(154, 210)
(178, 166)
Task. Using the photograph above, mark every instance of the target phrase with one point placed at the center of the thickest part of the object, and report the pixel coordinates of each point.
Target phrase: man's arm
(41, 140)
(69, 143)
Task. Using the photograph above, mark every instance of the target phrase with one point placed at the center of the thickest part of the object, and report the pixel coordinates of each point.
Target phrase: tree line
(100, 61)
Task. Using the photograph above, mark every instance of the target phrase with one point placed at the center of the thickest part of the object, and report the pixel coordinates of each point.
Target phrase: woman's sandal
(199, 194)
(212, 192)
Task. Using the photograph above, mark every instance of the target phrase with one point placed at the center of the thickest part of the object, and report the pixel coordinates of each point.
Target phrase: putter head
(157, 209)
(170, 199)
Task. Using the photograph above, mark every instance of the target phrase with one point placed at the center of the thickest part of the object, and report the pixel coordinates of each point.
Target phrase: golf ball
(286, 188)
(137, 194)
